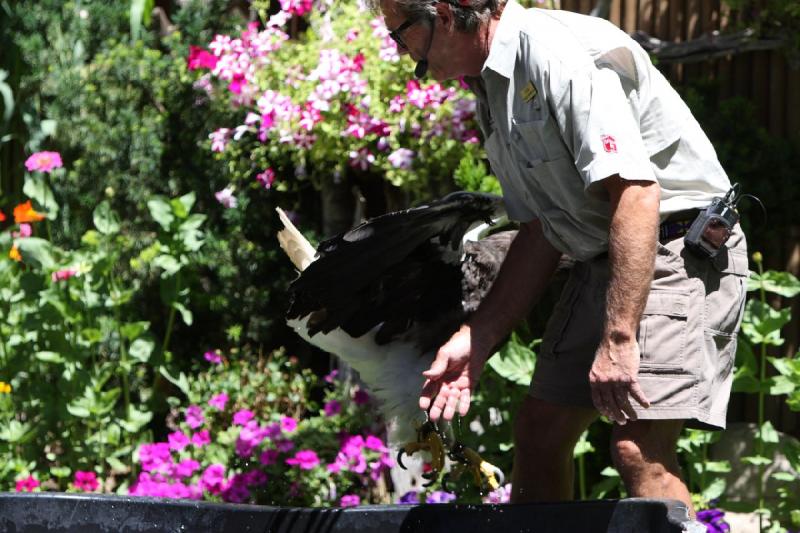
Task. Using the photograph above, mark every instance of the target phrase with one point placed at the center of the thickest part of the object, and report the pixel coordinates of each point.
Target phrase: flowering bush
(246, 431)
(337, 103)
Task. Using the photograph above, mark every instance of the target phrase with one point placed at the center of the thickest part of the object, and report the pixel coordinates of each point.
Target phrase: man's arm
(631, 250)
(524, 274)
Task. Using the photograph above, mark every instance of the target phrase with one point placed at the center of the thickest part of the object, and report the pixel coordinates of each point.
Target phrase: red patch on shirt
(609, 144)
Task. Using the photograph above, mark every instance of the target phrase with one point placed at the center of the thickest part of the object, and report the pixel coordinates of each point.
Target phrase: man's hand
(452, 377)
(613, 379)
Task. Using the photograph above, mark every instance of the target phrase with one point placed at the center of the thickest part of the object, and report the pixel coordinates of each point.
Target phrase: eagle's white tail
(297, 247)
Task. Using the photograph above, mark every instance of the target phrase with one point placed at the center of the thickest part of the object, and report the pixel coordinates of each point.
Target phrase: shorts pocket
(562, 312)
(662, 330)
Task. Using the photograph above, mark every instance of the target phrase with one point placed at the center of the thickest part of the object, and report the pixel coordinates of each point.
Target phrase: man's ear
(445, 13)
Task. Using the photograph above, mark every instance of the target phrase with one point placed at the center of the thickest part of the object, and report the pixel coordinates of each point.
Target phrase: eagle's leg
(431, 440)
(475, 464)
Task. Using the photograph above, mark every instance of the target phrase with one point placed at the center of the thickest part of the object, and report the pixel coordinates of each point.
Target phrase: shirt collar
(503, 50)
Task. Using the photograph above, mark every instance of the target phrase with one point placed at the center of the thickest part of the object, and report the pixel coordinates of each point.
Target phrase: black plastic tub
(55, 512)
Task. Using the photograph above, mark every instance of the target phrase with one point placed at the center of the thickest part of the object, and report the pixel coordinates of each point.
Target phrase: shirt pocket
(536, 141)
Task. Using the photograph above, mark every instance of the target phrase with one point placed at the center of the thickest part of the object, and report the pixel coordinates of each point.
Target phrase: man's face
(412, 37)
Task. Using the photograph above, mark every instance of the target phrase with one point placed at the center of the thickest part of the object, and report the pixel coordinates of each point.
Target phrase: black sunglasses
(395, 33)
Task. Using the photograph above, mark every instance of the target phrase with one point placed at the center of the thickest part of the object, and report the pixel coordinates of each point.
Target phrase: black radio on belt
(713, 226)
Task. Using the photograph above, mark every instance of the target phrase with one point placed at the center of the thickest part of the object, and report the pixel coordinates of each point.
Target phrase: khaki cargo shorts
(687, 334)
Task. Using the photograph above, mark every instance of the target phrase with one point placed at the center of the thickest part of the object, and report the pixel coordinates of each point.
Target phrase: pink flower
(499, 495)
(350, 500)
(331, 377)
(27, 484)
(333, 407)
(374, 443)
(155, 457)
(255, 477)
(194, 416)
(266, 178)
(62, 275)
(296, 7)
(25, 231)
(201, 438)
(213, 478)
(178, 440)
(86, 481)
(402, 158)
(362, 158)
(200, 59)
(213, 357)
(186, 468)
(219, 139)
(219, 401)
(226, 198)
(305, 459)
(352, 35)
(43, 162)
(242, 417)
(288, 424)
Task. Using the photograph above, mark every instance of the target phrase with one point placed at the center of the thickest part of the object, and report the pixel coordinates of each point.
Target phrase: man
(600, 159)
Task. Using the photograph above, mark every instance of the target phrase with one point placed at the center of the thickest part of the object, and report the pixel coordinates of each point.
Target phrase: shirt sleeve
(599, 123)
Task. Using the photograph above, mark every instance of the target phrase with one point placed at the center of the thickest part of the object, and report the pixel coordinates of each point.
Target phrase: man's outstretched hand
(452, 377)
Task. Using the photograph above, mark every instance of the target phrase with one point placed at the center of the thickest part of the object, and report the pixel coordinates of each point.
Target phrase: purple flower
(242, 417)
(288, 424)
(402, 158)
(410, 497)
(194, 416)
(178, 440)
(501, 494)
(360, 397)
(350, 500)
(201, 438)
(255, 477)
(236, 490)
(714, 520)
(218, 401)
(333, 407)
(268, 457)
(305, 459)
(284, 446)
(213, 357)
(440, 496)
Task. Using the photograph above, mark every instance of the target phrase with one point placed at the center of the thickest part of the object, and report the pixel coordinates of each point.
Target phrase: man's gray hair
(469, 14)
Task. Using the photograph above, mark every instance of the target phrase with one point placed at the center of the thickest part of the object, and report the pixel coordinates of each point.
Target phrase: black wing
(395, 271)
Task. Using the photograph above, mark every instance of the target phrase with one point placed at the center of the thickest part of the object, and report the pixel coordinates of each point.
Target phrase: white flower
(226, 197)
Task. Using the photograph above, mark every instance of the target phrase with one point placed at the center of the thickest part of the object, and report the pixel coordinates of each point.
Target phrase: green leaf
(141, 349)
(768, 433)
(37, 253)
(714, 490)
(49, 357)
(181, 206)
(60, 471)
(16, 432)
(784, 476)
(762, 323)
(105, 220)
(719, 467)
(78, 409)
(757, 460)
(181, 382)
(132, 330)
(44, 201)
(161, 211)
(186, 315)
(514, 362)
(136, 420)
(141, 11)
(92, 335)
(782, 283)
(116, 464)
(168, 263)
(781, 385)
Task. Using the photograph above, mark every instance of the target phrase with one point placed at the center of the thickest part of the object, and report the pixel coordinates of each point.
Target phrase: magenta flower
(440, 496)
(255, 478)
(218, 401)
(27, 484)
(200, 59)
(242, 417)
(86, 481)
(296, 7)
(333, 407)
(284, 446)
(44, 162)
(305, 459)
(212, 357)
(330, 378)
(25, 231)
(201, 438)
(178, 440)
(266, 178)
(194, 416)
(350, 500)
(288, 424)
(213, 478)
(62, 275)
(155, 457)
(374, 443)
(186, 468)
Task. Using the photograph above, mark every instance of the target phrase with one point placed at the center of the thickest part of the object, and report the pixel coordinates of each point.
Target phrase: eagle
(384, 296)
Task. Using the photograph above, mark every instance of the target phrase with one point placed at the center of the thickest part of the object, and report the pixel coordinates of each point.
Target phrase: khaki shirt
(565, 101)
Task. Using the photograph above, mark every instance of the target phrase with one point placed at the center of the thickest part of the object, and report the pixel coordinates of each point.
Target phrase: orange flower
(25, 213)
(14, 253)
